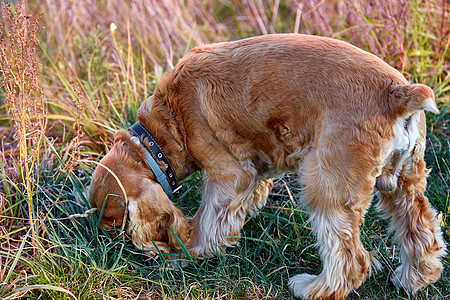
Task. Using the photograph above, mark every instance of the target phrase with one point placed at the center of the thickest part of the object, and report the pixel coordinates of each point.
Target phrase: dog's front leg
(226, 199)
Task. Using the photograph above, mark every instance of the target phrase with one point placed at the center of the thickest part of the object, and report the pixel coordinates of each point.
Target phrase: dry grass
(78, 72)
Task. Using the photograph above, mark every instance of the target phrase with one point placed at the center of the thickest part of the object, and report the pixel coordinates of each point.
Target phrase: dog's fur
(245, 111)
(123, 171)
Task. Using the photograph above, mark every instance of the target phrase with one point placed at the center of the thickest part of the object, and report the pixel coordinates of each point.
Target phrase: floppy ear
(149, 230)
(408, 98)
(145, 229)
(155, 220)
(180, 226)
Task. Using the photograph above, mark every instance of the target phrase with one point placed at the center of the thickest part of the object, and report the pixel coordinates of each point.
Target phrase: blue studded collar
(153, 152)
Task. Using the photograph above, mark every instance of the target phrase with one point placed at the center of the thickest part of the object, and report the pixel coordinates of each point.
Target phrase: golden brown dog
(245, 111)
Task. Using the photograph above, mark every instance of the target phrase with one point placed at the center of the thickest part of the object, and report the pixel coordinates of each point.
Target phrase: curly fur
(245, 111)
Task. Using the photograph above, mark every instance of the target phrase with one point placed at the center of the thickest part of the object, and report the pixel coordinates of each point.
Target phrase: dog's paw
(410, 279)
(202, 252)
(402, 278)
(299, 284)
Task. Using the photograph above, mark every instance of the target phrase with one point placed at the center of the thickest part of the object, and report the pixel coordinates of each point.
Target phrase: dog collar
(166, 179)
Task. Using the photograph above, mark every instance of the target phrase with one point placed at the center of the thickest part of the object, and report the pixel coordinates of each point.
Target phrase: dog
(246, 111)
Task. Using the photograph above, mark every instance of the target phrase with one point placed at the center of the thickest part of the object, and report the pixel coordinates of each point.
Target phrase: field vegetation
(73, 72)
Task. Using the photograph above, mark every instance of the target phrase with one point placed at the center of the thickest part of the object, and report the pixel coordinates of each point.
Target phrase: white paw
(402, 278)
(298, 284)
(200, 251)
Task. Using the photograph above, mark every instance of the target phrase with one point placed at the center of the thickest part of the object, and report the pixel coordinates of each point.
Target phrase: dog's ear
(154, 220)
(179, 225)
(146, 228)
(155, 228)
(411, 97)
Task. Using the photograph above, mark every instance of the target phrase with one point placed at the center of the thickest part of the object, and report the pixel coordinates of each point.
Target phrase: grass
(69, 85)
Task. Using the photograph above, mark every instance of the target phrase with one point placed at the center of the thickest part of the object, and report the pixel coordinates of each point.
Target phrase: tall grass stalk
(25, 100)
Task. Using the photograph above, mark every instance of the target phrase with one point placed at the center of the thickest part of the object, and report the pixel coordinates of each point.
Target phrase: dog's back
(271, 96)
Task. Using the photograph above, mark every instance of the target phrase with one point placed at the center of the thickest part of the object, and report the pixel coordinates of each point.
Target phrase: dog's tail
(404, 99)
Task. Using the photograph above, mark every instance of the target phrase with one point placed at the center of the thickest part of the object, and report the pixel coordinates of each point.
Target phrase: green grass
(92, 81)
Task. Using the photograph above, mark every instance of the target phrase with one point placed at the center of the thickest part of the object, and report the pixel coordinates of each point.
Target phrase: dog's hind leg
(337, 197)
(414, 226)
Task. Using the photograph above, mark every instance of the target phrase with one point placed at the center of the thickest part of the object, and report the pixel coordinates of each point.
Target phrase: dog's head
(123, 185)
